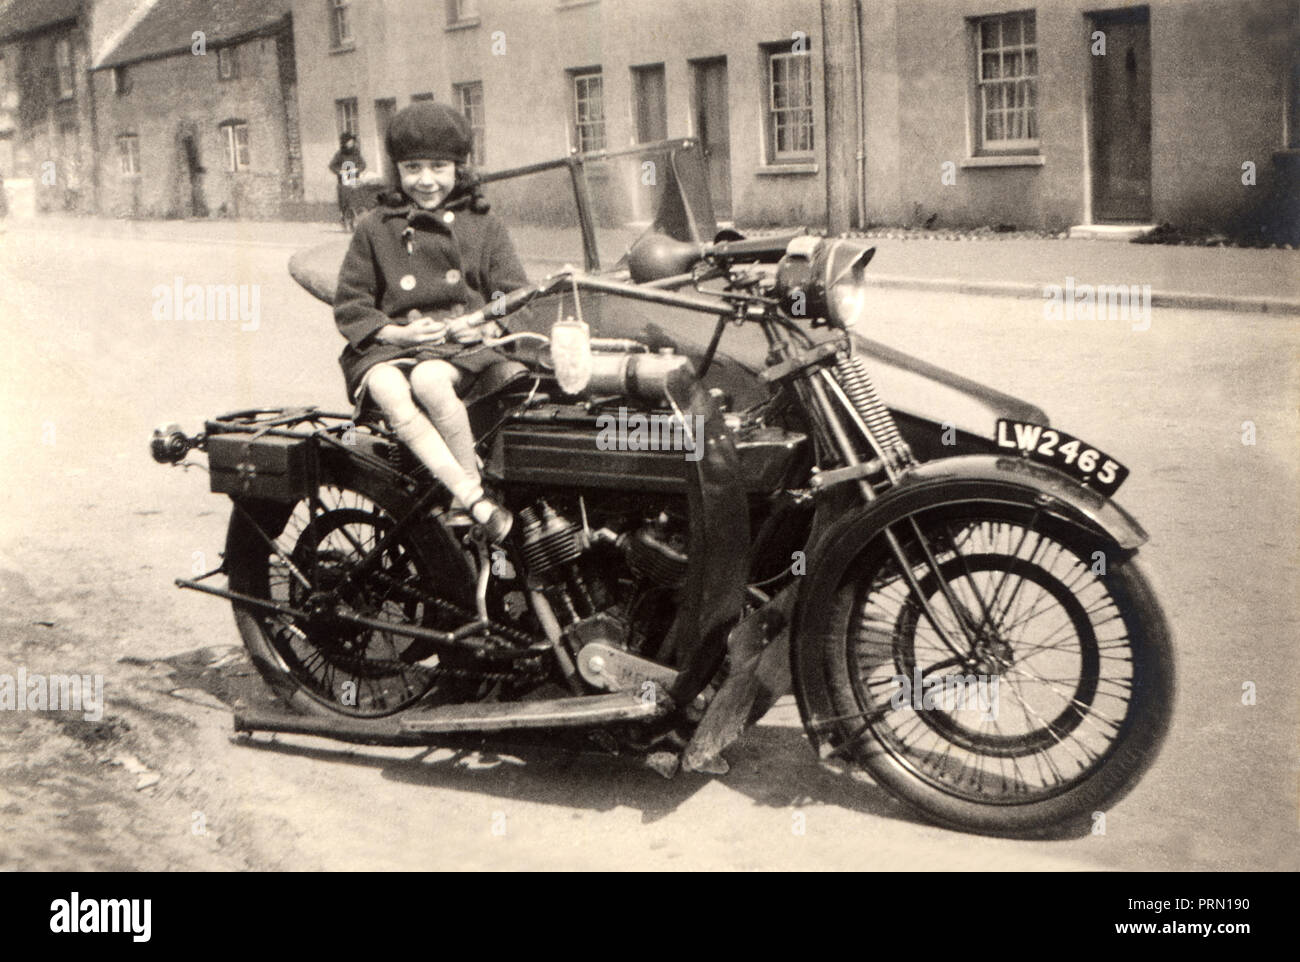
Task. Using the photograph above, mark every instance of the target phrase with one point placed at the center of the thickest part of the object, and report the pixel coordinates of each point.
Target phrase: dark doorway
(384, 110)
(194, 171)
(1121, 116)
(713, 128)
(651, 103)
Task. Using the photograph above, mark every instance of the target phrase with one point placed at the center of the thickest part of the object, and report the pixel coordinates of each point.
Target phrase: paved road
(93, 533)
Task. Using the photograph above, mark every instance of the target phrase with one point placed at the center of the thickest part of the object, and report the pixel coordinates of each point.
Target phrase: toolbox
(269, 466)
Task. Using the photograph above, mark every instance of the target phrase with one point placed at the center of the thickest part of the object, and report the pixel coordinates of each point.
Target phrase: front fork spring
(858, 387)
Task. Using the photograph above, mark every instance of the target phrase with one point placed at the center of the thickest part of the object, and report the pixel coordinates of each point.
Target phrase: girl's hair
(467, 185)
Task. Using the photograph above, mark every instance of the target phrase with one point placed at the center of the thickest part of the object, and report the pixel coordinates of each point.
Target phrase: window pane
(989, 66)
(1028, 23)
(989, 34)
(993, 126)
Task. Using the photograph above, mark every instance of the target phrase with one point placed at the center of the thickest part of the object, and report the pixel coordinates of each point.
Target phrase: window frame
(462, 13)
(772, 119)
(62, 46)
(340, 112)
(979, 85)
(229, 56)
(238, 156)
(128, 155)
(478, 150)
(340, 17)
(577, 78)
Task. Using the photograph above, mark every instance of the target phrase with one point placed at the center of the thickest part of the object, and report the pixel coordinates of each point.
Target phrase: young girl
(416, 264)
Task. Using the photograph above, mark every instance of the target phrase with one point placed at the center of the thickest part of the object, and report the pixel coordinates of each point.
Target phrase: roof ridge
(114, 40)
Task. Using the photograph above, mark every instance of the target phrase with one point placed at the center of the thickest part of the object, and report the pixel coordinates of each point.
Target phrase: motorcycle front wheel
(302, 555)
(1026, 694)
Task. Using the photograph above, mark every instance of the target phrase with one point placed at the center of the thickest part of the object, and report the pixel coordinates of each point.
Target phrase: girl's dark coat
(458, 260)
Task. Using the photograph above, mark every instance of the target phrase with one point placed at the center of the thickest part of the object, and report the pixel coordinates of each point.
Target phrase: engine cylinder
(548, 539)
(650, 557)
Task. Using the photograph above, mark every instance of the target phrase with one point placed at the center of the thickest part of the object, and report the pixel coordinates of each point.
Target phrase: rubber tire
(1070, 812)
(246, 562)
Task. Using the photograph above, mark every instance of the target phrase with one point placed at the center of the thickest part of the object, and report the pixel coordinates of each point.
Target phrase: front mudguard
(970, 478)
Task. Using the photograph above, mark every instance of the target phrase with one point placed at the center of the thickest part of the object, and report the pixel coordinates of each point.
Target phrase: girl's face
(427, 182)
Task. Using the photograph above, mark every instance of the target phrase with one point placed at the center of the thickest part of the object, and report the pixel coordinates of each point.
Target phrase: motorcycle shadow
(771, 764)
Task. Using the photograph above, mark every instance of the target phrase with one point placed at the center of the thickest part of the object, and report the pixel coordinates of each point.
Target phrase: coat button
(453, 276)
(408, 282)
(448, 217)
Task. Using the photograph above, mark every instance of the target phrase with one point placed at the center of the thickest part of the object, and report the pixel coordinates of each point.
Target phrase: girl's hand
(467, 328)
(420, 331)
(426, 330)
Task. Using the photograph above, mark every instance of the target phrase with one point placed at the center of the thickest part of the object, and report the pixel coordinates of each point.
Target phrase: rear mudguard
(969, 478)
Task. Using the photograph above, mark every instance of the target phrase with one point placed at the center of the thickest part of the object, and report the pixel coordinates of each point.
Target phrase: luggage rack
(280, 422)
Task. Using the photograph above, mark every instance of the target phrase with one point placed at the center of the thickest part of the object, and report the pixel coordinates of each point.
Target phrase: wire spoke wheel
(1036, 673)
(324, 662)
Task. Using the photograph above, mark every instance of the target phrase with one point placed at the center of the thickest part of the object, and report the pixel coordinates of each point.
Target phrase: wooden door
(650, 92)
(1121, 118)
(713, 128)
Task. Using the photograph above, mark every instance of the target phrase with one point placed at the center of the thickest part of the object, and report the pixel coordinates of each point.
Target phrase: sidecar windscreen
(589, 209)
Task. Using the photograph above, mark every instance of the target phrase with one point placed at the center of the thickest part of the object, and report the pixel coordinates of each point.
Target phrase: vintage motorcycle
(701, 527)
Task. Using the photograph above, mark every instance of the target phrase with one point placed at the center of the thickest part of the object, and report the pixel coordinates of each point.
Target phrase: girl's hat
(428, 131)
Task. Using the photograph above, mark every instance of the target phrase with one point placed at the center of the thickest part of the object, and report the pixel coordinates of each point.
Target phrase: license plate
(1064, 452)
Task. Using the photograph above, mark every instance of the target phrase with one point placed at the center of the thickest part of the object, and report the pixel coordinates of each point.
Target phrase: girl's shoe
(496, 520)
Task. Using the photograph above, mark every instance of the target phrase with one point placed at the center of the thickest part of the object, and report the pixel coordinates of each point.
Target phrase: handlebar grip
(501, 307)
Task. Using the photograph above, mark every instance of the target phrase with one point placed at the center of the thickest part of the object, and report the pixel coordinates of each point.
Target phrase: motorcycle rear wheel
(325, 666)
(1055, 623)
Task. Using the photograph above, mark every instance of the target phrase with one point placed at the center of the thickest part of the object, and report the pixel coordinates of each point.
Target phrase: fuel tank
(637, 449)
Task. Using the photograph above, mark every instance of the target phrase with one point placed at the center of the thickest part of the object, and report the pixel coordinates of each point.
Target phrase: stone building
(1072, 112)
(197, 112)
(45, 110)
(841, 113)
(539, 78)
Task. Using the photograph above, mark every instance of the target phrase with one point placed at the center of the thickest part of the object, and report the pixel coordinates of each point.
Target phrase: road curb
(1182, 299)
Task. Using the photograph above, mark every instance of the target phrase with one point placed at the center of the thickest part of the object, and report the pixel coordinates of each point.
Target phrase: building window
(121, 81)
(340, 23)
(345, 116)
(588, 110)
(469, 98)
(228, 63)
(63, 61)
(416, 98)
(128, 153)
(1006, 81)
(234, 135)
(462, 13)
(789, 105)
